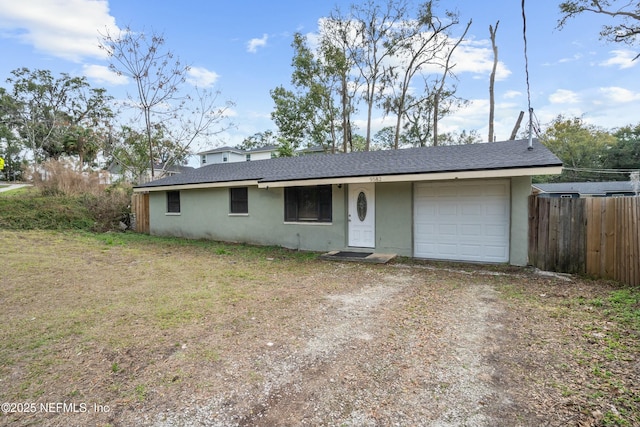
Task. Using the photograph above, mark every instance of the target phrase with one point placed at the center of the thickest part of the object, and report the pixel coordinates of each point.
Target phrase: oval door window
(362, 206)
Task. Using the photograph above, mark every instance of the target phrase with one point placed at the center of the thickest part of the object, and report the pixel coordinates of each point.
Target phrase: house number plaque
(362, 206)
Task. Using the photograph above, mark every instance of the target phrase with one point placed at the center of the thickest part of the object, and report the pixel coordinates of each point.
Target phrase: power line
(526, 70)
(526, 58)
(601, 171)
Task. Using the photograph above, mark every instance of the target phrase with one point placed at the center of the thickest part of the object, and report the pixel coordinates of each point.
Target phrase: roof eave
(196, 186)
(426, 176)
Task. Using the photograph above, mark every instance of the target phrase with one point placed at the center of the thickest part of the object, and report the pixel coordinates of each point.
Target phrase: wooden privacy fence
(598, 236)
(140, 211)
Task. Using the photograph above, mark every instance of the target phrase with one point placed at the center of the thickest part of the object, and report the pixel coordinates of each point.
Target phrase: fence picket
(596, 236)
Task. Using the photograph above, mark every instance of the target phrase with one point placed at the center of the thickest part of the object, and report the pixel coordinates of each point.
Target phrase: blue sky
(243, 48)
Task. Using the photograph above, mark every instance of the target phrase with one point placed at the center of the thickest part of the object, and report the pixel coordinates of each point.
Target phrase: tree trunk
(345, 115)
(492, 79)
(436, 100)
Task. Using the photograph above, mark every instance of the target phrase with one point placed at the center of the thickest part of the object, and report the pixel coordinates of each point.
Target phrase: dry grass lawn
(122, 329)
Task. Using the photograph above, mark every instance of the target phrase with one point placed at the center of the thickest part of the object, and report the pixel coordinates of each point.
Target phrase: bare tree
(157, 74)
(492, 79)
(439, 92)
(202, 117)
(425, 42)
(376, 40)
(337, 48)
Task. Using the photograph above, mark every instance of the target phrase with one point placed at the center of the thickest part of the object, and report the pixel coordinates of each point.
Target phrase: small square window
(173, 202)
(239, 200)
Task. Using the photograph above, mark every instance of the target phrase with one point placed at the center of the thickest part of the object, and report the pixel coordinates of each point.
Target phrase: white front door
(362, 215)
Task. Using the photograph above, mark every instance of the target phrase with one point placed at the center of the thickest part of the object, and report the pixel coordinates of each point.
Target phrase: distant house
(584, 189)
(117, 173)
(462, 203)
(234, 155)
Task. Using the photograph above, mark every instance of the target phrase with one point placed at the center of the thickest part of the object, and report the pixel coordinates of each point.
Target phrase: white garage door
(463, 221)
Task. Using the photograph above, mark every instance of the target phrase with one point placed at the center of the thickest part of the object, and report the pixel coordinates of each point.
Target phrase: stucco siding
(519, 248)
(204, 214)
(394, 218)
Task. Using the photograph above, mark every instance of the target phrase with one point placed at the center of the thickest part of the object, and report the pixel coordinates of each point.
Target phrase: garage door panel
(496, 209)
(426, 210)
(498, 190)
(471, 230)
(471, 209)
(424, 228)
(462, 221)
(447, 230)
(470, 250)
(447, 249)
(499, 231)
(445, 209)
(426, 248)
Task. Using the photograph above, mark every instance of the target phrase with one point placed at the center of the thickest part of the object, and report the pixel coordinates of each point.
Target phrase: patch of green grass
(624, 306)
(140, 392)
(33, 211)
(18, 192)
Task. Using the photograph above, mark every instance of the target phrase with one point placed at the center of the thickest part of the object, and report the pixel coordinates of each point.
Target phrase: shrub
(107, 206)
(62, 177)
(110, 207)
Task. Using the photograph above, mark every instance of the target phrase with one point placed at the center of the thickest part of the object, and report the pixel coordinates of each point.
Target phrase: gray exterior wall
(519, 244)
(205, 215)
(394, 218)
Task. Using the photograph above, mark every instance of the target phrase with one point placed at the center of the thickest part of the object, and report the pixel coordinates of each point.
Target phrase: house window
(248, 157)
(307, 204)
(204, 160)
(173, 202)
(225, 157)
(239, 200)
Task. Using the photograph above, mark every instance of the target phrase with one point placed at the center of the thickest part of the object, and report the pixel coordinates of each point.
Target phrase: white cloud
(62, 28)
(477, 57)
(573, 58)
(201, 77)
(102, 74)
(564, 96)
(254, 44)
(620, 58)
(510, 94)
(619, 95)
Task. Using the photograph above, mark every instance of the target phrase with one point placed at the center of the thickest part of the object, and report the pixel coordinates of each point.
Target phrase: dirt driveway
(151, 332)
(376, 356)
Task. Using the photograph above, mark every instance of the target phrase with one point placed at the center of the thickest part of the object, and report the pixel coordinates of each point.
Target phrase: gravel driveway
(369, 359)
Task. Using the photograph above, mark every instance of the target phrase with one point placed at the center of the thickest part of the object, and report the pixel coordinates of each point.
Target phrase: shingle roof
(222, 150)
(265, 148)
(473, 157)
(594, 188)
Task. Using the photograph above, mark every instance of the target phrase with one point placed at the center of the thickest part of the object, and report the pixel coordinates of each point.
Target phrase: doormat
(348, 254)
(358, 256)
